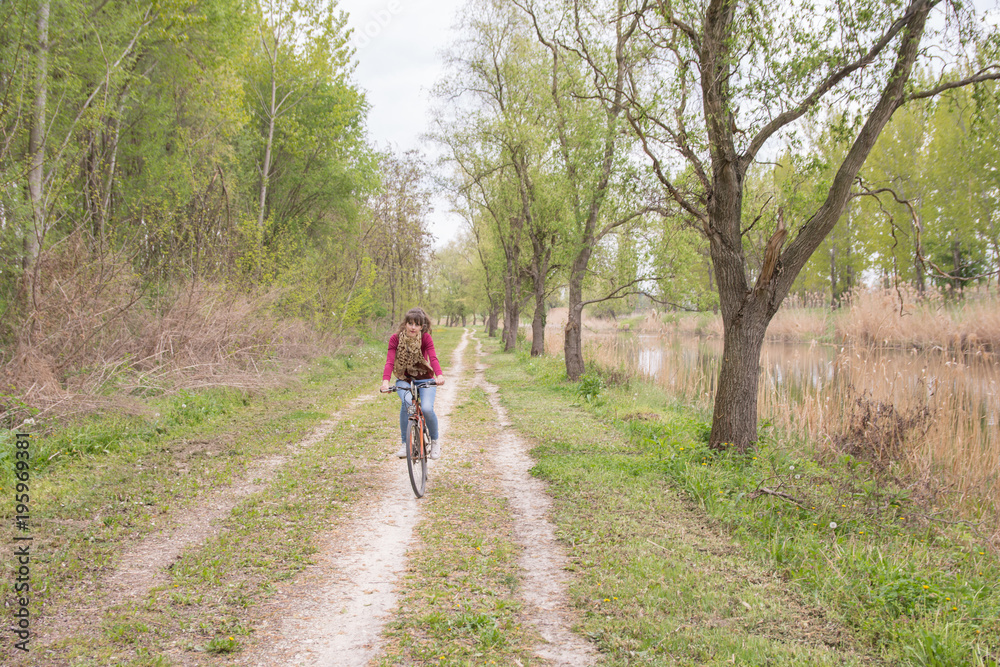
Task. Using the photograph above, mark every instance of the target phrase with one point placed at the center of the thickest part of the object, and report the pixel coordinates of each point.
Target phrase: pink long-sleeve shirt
(426, 347)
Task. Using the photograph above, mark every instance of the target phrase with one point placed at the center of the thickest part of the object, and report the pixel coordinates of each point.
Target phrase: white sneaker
(402, 452)
(435, 450)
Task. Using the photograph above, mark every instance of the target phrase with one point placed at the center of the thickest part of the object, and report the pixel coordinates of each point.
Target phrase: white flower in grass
(833, 524)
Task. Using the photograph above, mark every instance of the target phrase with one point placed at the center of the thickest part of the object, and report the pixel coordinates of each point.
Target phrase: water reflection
(815, 384)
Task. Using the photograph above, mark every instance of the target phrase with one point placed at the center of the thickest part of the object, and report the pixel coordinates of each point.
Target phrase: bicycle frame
(416, 436)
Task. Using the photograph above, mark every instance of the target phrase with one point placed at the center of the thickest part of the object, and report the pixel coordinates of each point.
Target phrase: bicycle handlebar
(432, 383)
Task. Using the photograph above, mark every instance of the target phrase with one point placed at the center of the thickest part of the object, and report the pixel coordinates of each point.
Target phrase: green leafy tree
(714, 83)
(959, 208)
(588, 70)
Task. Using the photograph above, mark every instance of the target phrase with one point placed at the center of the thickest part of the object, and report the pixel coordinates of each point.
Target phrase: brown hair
(417, 316)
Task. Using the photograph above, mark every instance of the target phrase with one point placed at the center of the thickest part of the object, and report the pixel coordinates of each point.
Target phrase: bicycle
(418, 436)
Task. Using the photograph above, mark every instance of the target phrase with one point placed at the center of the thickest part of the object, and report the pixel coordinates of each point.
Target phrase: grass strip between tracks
(459, 601)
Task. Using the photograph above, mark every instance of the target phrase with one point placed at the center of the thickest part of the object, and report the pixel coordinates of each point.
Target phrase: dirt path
(333, 614)
(543, 559)
(145, 564)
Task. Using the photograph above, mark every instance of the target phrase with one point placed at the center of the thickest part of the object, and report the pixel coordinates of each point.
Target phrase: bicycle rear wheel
(416, 457)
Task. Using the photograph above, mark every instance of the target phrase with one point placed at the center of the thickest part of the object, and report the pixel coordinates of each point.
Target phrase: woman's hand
(385, 386)
(439, 380)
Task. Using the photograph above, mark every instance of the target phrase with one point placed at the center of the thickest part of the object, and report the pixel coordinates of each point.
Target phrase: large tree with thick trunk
(717, 83)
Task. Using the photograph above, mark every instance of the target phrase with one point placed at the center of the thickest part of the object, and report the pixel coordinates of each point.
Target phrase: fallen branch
(761, 491)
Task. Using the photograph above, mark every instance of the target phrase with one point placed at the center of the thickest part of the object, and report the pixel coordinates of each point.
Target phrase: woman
(411, 355)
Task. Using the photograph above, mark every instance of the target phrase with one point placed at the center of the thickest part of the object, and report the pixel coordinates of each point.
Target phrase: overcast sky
(398, 49)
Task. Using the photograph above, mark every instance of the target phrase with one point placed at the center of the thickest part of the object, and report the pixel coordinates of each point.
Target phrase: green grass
(853, 557)
(101, 483)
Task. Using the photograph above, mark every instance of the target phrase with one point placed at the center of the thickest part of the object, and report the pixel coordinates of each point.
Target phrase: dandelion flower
(833, 524)
(926, 587)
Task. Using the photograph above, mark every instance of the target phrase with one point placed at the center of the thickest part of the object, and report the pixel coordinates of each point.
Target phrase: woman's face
(412, 329)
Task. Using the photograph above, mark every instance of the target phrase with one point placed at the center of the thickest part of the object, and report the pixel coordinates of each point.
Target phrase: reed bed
(902, 318)
(894, 377)
(934, 412)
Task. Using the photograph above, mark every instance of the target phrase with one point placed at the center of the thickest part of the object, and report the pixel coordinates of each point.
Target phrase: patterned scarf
(409, 357)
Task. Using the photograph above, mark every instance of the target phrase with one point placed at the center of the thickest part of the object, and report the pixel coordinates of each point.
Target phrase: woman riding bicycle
(411, 356)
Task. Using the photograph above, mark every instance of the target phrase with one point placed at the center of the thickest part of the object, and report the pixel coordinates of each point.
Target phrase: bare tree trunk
(541, 257)
(738, 378)
(491, 322)
(266, 167)
(102, 213)
(956, 259)
(918, 265)
(512, 287)
(573, 341)
(538, 327)
(573, 344)
(511, 314)
(36, 149)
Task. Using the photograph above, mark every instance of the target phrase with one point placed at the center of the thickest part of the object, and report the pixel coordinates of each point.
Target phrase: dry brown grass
(799, 324)
(93, 334)
(935, 411)
(904, 319)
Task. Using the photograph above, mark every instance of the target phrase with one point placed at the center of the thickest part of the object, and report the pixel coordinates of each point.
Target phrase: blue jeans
(426, 404)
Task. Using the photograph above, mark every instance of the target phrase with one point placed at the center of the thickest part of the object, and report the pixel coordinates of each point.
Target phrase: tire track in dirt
(333, 614)
(542, 558)
(144, 566)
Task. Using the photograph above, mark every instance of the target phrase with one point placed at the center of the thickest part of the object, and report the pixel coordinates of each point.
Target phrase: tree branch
(824, 87)
(982, 75)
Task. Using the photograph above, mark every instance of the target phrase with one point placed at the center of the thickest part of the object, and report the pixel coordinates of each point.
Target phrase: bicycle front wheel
(416, 457)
